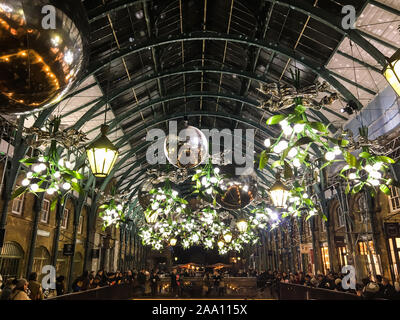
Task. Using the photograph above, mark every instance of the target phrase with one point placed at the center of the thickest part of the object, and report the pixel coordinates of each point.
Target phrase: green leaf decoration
(263, 160)
(276, 163)
(28, 161)
(76, 187)
(18, 192)
(303, 140)
(299, 109)
(276, 119)
(103, 206)
(384, 188)
(350, 159)
(347, 190)
(385, 159)
(365, 155)
(318, 126)
(308, 201)
(53, 204)
(339, 142)
(357, 188)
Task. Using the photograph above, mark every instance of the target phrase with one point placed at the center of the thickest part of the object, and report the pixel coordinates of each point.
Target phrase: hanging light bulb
(102, 154)
(330, 156)
(228, 237)
(299, 127)
(392, 72)
(172, 242)
(242, 225)
(279, 193)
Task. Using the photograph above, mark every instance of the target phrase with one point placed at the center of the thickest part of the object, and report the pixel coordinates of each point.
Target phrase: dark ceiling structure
(157, 61)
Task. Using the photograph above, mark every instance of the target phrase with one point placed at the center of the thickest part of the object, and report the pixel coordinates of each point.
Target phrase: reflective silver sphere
(238, 191)
(38, 64)
(188, 149)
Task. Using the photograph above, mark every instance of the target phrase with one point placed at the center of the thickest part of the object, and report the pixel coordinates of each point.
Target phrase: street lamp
(279, 193)
(242, 225)
(228, 237)
(151, 217)
(102, 154)
(392, 71)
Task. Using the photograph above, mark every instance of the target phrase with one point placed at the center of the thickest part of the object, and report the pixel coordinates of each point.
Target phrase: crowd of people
(147, 283)
(144, 282)
(379, 288)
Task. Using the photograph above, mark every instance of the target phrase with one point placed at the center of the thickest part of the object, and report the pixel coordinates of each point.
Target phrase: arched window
(40, 259)
(11, 260)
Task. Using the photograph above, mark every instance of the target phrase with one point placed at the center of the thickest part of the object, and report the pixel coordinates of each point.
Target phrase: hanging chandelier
(392, 71)
(102, 154)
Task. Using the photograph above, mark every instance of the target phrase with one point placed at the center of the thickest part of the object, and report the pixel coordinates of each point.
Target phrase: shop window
(18, 204)
(342, 253)
(64, 221)
(325, 258)
(394, 247)
(41, 259)
(372, 258)
(394, 199)
(11, 260)
(45, 212)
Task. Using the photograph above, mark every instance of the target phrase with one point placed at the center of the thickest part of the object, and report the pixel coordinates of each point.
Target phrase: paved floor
(266, 295)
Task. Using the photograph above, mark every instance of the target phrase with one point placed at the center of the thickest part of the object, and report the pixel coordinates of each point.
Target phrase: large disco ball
(39, 64)
(187, 149)
(238, 191)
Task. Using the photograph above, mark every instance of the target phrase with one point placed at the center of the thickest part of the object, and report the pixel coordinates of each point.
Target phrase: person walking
(217, 280)
(174, 283)
(35, 288)
(154, 281)
(206, 284)
(141, 278)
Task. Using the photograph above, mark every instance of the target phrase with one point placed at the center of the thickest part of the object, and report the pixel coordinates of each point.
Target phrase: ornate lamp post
(392, 71)
(102, 154)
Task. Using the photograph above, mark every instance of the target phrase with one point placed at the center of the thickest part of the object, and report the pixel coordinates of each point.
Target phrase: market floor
(257, 296)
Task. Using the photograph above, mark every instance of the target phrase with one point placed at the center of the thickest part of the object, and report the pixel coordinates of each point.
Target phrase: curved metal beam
(316, 13)
(100, 102)
(207, 35)
(256, 125)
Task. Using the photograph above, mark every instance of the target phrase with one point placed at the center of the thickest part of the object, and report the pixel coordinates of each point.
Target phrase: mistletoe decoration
(50, 173)
(112, 207)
